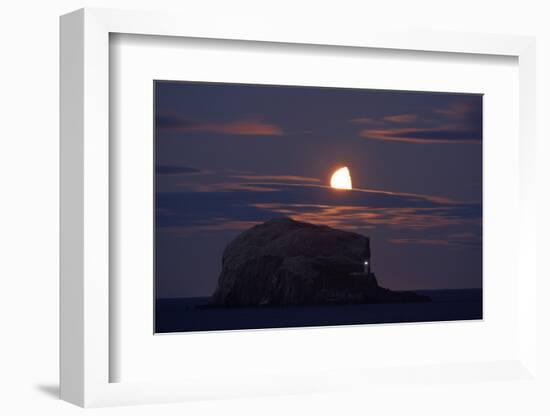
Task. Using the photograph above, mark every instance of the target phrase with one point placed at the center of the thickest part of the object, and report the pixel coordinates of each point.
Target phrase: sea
(194, 314)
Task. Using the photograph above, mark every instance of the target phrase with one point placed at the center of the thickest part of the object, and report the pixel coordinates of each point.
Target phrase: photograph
(279, 206)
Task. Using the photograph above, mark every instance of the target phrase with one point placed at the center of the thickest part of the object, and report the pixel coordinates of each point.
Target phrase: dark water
(190, 314)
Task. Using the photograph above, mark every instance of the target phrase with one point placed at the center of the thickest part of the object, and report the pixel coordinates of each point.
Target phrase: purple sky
(229, 156)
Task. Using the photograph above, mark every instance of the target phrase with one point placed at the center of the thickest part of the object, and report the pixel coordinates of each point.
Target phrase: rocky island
(283, 262)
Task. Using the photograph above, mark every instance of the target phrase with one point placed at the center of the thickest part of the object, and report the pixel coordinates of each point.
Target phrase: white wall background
(29, 205)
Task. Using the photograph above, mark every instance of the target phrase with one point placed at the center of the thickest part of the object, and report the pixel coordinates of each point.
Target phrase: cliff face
(286, 262)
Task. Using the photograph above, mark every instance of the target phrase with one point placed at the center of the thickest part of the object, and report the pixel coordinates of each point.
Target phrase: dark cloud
(277, 178)
(453, 240)
(173, 123)
(459, 121)
(175, 170)
(423, 135)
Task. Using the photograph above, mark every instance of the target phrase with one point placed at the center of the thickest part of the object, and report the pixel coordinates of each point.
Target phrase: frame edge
(71, 221)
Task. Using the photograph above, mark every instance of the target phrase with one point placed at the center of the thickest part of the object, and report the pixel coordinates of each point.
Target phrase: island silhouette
(283, 262)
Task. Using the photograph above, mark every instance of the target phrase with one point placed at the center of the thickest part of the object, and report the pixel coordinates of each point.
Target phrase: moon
(341, 179)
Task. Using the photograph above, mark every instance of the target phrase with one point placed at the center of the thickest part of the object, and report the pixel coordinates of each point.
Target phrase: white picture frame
(85, 210)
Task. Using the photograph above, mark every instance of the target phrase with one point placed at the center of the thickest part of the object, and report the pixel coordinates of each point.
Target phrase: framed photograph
(269, 212)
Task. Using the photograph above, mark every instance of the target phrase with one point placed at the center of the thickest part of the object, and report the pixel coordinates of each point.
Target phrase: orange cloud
(401, 118)
(247, 128)
(457, 110)
(365, 120)
(350, 217)
(238, 127)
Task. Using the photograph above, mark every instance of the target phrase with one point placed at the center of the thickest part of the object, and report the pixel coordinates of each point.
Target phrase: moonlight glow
(341, 179)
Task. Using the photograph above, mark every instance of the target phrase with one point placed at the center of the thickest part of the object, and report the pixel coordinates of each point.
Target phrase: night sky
(228, 156)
